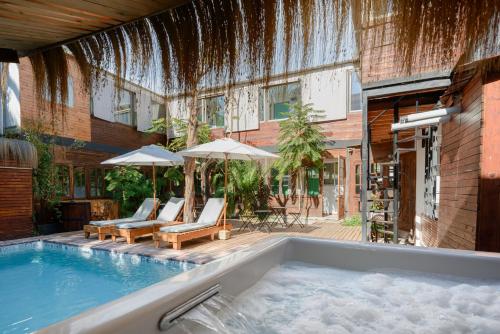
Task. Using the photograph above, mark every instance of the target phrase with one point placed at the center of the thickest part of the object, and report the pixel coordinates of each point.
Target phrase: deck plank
(203, 250)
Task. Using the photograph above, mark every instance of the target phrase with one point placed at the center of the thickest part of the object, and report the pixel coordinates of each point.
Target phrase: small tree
(300, 144)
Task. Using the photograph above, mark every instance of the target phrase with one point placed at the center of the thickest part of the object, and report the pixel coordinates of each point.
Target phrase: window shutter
(313, 182)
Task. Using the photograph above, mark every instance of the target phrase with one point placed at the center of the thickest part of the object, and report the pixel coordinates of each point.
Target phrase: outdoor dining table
(264, 217)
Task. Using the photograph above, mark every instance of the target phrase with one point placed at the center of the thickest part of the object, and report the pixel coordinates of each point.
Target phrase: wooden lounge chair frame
(176, 238)
(131, 233)
(103, 231)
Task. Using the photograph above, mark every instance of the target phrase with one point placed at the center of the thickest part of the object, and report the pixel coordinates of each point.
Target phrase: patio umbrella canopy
(227, 149)
(151, 155)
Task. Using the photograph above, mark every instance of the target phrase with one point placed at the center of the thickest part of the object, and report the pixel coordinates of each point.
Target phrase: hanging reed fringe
(207, 42)
(21, 152)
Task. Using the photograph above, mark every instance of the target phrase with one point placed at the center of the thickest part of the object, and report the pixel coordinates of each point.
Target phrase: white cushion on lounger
(145, 209)
(171, 209)
(141, 214)
(184, 227)
(208, 217)
(112, 221)
(211, 211)
(167, 214)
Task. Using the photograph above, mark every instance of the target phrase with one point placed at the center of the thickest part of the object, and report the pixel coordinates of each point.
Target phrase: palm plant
(244, 180)
(300, 143)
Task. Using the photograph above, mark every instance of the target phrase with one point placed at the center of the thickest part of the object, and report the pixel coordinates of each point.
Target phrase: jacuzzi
(165, 306)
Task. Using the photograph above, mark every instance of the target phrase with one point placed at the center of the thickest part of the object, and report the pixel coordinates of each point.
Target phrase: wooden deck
(203, 250)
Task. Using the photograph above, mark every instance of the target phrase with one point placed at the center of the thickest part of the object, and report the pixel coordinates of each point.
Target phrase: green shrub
(354, 220)
(129, 187)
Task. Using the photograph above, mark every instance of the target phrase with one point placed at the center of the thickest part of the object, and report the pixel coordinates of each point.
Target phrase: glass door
(330, 187)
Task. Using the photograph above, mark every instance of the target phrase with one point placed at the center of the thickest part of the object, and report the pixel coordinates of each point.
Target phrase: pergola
(28, 27)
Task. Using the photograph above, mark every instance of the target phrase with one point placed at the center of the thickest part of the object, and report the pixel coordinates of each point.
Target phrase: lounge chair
(169, 215)
(104, 227)
(208, 224)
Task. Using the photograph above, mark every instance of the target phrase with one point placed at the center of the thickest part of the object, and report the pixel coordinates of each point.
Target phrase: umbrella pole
(225, 189)
(154, 191)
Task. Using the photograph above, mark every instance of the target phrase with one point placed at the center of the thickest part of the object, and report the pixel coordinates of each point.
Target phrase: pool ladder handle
(169, 318)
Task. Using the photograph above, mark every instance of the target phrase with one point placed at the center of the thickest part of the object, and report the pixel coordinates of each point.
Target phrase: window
(158, 110)
(125, 110)
(375, 168)
(355, 97)
(330, 171)
(63, 179)
(275, 182)
(9, 101)
(275, 101)
(212, 110)
(70, 102)
(358, 179)
(79, 190)
(96, 176)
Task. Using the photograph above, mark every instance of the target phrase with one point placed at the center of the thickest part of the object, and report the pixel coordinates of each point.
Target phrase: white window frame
(349, 91)
(131, 109)
(264, 96)
(158, 115)
(202, 104)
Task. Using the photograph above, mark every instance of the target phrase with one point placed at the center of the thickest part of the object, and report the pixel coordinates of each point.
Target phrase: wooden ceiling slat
(27, 25)
(34, 26)
(90, 9)
(56, 20)
(40, 10)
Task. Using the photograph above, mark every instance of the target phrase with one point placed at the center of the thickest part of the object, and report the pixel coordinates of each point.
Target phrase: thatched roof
(214, 39)
(18, 152)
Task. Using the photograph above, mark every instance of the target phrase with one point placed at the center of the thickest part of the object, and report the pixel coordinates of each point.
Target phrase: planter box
(45, 229)
(224, 234)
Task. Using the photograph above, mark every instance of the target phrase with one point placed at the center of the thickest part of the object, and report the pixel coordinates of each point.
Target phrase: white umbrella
(151, 155)
(227, 148)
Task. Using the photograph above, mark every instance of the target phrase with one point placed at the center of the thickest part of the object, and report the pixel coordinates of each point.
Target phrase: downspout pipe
(416, 124)
(429, 114)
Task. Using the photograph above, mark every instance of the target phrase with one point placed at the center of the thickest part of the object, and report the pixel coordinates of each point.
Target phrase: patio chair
(171, 214)
(104, 227)
(296, 218)
(208, 224)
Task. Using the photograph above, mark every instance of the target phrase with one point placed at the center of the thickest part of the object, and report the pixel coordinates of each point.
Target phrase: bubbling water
(300, 298)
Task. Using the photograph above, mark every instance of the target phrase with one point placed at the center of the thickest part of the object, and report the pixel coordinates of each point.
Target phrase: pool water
(297, 297)
(42, 283)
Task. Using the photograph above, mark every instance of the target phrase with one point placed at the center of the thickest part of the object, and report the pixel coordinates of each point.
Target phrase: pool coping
(50, 239)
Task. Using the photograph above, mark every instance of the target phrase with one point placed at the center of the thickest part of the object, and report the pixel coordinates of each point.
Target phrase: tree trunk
(190, 163)
(205, 180)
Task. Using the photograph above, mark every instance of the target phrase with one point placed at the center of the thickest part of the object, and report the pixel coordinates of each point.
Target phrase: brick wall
(267, 134)
(16, 203)
(460, 169)
(430, 232)
(488, 228)
(121, 135)
(74, 122)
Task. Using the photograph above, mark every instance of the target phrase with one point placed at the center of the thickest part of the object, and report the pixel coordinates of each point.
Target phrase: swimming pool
(44, 282)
